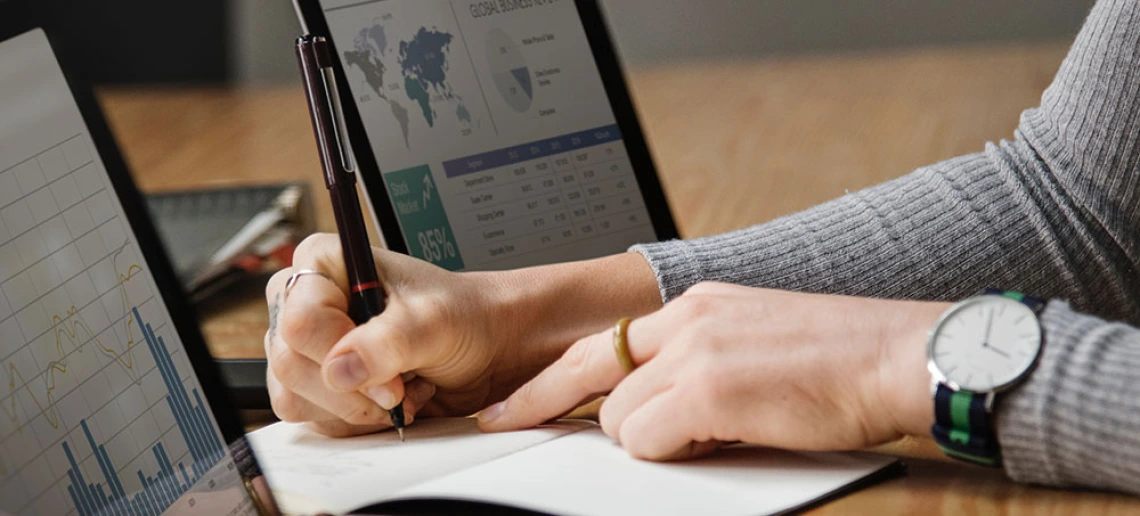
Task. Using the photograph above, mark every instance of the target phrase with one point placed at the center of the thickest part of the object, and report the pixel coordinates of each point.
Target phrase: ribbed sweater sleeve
(1055, 212)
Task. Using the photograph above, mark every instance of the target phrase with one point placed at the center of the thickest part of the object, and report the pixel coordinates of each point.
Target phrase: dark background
(249, 41)
(165, 41)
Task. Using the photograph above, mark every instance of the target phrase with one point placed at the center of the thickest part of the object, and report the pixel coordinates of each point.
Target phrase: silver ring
(296, 276)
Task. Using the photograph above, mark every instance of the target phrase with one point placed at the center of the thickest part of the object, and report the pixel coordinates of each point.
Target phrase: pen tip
(401, 432)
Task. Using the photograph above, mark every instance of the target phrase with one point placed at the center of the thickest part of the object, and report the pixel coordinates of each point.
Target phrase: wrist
(541, 311)
(905, 375)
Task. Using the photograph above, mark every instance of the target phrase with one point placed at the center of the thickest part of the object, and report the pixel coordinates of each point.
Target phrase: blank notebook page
(586, 473)
(312, 473)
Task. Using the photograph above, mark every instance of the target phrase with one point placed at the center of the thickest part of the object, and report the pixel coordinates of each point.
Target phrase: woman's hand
(462, 340)
(725, 363)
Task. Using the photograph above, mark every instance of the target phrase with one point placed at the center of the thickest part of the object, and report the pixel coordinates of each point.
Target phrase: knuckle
(287, 406)
(313, 245)
(433, 309)
(283, 365)
(694, 307)
(276, 283)
(297, 327)
(703, 342)
(389, 345)
(576, 360)
(690, 340)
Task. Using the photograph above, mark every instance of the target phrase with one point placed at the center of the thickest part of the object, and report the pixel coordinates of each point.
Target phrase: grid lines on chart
(62, 282)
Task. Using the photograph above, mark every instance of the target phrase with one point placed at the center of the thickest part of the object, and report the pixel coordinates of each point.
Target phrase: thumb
(373, 355)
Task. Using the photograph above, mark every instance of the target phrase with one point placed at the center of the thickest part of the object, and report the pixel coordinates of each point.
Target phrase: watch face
(985, 343)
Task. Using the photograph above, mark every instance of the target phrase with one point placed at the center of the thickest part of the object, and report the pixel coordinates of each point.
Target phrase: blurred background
(752, 109)
(248, 41)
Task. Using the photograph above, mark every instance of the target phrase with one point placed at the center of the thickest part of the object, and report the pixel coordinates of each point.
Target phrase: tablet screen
(100, 409)
(490, 121)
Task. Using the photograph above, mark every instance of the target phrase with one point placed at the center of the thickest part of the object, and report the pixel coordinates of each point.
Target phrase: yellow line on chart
(62, 330)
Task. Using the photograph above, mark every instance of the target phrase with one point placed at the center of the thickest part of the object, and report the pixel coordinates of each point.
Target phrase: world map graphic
(422, 62)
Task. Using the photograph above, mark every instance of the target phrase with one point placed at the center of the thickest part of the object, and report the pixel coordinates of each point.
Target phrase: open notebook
(569, 467)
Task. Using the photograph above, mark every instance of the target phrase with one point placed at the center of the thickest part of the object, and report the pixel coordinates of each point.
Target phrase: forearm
(944, 232)
(1053, 213)
(549, 307)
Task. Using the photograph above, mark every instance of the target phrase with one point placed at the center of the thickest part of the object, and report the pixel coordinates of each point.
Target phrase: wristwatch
(979, 348)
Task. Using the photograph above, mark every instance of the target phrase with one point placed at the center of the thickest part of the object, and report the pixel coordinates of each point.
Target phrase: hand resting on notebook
(720, 363)
(725, 363)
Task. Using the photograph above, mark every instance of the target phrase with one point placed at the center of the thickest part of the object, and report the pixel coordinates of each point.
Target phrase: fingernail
(347, 372)
(490, 414)
(382, 396)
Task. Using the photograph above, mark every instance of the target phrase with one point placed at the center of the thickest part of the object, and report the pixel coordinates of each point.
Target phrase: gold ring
(621, 345)
(296, 276)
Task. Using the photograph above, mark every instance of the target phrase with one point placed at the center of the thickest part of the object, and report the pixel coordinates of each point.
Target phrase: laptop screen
(100, 409)
(490, 122)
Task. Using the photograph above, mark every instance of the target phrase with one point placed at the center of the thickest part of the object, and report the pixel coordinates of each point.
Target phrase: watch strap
(1034, 303)
(963, 426)
(963, 420)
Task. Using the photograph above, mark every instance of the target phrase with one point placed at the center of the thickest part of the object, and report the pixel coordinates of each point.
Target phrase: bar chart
(101, 411)
(162, 489)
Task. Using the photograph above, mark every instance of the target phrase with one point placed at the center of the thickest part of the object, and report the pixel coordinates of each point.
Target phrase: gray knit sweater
(1055, 213)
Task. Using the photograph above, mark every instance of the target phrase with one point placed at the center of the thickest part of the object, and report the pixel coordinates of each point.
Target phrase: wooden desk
(737, 144)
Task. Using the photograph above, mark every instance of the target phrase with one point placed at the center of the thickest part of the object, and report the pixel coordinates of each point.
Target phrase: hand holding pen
(366, 295)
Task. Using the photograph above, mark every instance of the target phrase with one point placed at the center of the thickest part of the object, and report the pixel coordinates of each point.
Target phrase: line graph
(100, 409)
(96, 415)
(68, 326)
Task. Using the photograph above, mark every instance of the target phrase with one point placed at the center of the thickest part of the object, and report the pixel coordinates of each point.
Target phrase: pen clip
(320, 61)
(340, 134)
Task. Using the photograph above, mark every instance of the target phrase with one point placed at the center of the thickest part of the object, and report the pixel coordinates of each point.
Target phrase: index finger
(588, 368)
(310, 313)
(321, 252)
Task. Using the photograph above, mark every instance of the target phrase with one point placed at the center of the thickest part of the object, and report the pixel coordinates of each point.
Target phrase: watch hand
(989, 326)
(998, 351)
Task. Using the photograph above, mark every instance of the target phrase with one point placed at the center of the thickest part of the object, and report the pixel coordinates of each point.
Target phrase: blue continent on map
(423, 64)
(425, 57)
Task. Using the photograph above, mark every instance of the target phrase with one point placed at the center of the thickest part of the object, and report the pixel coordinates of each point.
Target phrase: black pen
(367, 298)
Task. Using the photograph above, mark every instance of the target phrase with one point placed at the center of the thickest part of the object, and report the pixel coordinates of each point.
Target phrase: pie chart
(510, 71)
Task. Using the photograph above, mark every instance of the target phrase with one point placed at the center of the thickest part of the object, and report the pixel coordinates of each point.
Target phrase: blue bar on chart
(161, 490)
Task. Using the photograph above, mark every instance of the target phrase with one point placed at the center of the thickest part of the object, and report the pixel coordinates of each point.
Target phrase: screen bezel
(613, 79)
(18, 18)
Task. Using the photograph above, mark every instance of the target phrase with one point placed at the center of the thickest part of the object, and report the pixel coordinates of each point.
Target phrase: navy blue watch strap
(963, 420)
(963, 427)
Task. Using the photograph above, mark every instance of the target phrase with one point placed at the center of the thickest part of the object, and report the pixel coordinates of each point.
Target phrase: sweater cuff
(675, 265)
(1054, 427)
